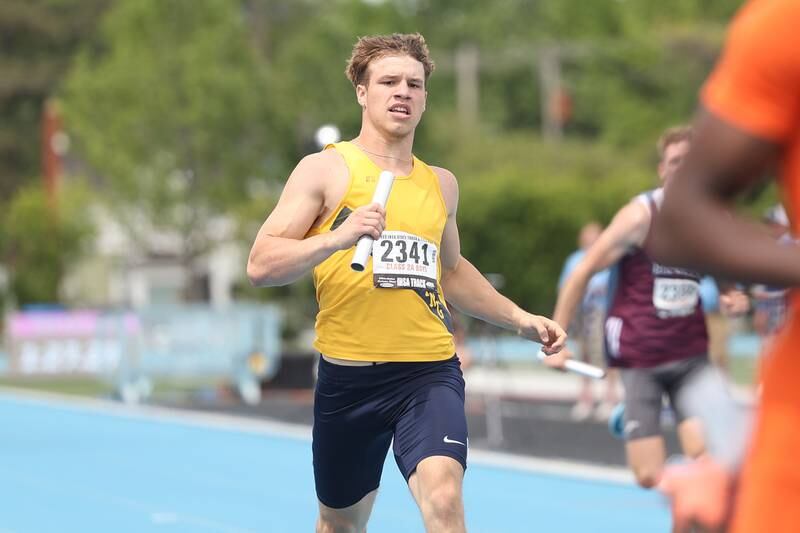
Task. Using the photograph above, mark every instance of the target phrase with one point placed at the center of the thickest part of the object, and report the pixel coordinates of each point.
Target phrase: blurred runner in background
(655, 331)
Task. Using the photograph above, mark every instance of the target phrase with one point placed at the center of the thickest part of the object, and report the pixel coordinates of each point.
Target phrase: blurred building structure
(119, 272)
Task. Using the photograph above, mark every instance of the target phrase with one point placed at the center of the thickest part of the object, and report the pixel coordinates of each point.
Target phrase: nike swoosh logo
(451, 441)
(631, 426)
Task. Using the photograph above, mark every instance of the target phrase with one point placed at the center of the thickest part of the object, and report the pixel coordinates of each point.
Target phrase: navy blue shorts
(358, 410)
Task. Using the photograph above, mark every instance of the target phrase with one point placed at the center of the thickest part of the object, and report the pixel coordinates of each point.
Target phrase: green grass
(94, 387)
(78, 386)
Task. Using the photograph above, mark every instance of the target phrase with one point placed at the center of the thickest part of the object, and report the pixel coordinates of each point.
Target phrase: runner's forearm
(699, 232)
(276, 261)
(471, 293)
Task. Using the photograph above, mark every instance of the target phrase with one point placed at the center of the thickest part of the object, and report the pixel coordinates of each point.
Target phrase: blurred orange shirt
(756, 88)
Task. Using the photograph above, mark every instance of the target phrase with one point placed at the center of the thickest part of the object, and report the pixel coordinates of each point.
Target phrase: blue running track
(95, 467)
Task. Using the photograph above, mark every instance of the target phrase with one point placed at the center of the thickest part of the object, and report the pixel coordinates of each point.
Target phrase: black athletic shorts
(358, 410)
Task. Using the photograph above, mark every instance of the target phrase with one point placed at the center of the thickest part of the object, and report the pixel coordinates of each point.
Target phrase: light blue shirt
(709, 294)
(596, 295)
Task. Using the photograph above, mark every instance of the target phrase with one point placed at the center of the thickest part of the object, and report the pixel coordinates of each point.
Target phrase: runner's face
(672, 159)
(394, 98)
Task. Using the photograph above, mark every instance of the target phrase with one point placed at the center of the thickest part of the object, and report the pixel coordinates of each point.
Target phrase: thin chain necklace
(381, 155)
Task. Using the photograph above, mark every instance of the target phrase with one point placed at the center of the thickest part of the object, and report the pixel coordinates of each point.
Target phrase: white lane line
(238, 423)
(230, 422)
(573, 469)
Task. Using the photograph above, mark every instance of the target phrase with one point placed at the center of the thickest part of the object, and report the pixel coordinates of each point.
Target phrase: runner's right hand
(366, 220)
(734, 303)
(701, 492)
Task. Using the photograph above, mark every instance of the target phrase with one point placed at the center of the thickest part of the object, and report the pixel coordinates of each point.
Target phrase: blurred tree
(521, 219)
(618, 60)
(38, 40)
(171, 109)
(183, 106)
(42, 241)
(632, 69)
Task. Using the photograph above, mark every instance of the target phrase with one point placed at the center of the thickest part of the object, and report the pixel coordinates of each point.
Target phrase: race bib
(675, 297)
(401, 260)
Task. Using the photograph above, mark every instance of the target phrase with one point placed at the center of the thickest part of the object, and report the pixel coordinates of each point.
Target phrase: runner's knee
(444, 501)
(332, 522)
(646, 476)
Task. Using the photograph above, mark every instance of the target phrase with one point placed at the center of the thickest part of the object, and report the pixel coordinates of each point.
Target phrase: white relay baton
(364, 246)
(579, 367)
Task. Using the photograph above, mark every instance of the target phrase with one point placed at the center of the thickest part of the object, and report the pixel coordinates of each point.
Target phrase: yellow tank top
(393, 310)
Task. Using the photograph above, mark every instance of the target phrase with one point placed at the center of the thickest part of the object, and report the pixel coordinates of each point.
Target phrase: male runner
(749, 125)
(655, 331)
(388, 369)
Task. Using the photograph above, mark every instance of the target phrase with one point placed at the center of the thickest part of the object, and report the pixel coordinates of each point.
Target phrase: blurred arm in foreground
(749, 125)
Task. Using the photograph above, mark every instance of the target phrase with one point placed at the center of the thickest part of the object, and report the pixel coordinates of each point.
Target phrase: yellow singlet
(393, 310)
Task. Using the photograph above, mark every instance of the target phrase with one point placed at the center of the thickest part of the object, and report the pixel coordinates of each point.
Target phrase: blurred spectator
(586, 331)
(769, 302)
(720, 310)
(716, 322)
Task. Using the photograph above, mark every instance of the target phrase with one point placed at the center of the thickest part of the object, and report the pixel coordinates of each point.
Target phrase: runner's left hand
(540, 329)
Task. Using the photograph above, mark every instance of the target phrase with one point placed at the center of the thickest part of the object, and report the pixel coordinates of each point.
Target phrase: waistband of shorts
(349, 362)
(380, 374)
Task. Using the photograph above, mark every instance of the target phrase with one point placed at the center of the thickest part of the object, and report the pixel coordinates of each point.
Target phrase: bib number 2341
(402, 260)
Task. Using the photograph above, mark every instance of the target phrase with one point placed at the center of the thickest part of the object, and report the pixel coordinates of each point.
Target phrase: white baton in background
(578, 367)
(364, 246)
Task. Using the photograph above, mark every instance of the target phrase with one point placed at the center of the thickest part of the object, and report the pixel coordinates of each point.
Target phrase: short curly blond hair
(674, 135)
(368, 49)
